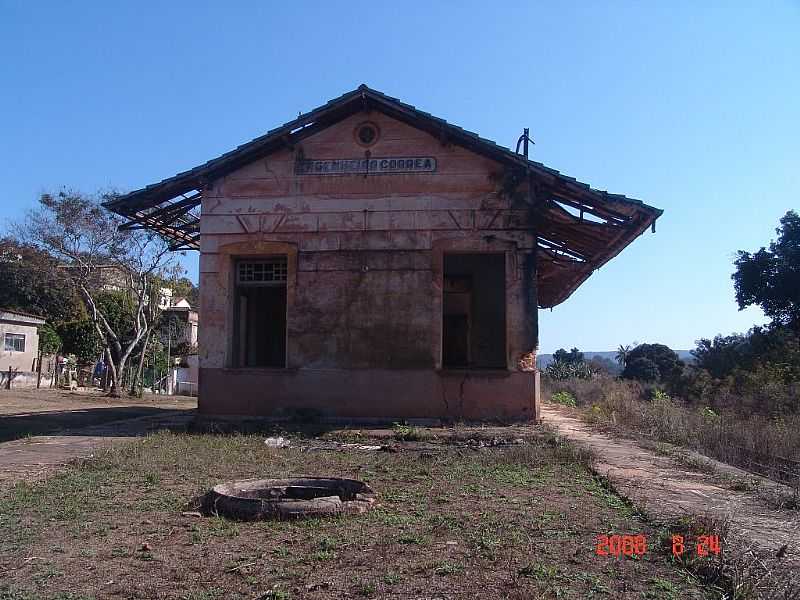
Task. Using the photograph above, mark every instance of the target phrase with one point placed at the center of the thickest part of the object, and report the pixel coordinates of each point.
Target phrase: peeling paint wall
(20, 361)
(365, 272)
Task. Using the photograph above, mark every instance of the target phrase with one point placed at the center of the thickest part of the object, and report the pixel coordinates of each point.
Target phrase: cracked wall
(364, 293)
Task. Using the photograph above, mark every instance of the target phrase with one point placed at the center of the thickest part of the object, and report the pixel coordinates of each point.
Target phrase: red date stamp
(705, 545)
(625, 545)
(636, 545)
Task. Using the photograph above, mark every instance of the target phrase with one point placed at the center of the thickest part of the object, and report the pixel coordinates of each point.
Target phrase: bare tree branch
(96, 258)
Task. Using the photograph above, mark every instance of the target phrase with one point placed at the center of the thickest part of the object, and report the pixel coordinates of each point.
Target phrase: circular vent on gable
(367, 134)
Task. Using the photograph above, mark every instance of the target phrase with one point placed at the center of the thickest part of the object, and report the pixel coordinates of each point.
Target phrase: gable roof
(571, 246)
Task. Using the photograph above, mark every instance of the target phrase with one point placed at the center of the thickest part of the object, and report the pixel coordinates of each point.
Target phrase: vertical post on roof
(525, 138)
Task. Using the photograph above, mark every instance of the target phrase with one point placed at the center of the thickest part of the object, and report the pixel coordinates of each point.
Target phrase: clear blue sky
(693, 107)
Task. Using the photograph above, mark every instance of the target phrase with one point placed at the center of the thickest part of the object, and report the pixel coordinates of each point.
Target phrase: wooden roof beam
(602, 213)
(549, 244)
(175, 209)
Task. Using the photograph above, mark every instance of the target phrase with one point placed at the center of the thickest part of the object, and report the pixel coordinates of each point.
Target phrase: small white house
(19, 347)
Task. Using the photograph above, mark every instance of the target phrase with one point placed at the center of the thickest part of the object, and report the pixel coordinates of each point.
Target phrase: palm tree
(622, 354)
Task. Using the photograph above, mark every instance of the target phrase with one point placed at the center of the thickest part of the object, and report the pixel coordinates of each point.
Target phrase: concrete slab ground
(666, 488)
(41, 430)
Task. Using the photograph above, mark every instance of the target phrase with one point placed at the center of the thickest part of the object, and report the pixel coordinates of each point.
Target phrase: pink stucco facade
(365, 270)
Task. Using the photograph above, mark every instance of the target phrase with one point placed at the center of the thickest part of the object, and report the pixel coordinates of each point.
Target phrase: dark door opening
(260, 339)
(474, 311)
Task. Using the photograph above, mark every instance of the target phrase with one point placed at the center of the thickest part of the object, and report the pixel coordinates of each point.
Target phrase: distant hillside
(542, 360)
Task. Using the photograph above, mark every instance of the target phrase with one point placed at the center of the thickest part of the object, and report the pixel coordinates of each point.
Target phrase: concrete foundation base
(370, 393)
(21, 379)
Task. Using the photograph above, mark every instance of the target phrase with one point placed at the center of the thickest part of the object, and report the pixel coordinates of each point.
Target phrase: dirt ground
(472, 515)
(31, 400)
(41, 430)
(159, 476)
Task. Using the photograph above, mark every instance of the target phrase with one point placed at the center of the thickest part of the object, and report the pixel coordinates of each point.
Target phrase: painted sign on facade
(367, 166)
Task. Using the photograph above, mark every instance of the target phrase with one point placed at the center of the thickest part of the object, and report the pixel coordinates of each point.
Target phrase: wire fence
(785, 470)
(772, 466)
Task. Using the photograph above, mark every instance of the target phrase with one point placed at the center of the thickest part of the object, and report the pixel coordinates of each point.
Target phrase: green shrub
(560, 370)
(658, 395)
(564, 398)
(652, 362)
(407, 433)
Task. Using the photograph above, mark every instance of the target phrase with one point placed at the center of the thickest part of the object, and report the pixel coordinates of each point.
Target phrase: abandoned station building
(371, 260)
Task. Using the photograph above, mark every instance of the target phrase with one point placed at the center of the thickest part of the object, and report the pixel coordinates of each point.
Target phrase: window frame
(9, 335)
(284, 260)
(283, 271)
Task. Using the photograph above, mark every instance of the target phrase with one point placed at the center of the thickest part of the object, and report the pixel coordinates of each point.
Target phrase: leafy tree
(183, 287)
(622, 354)
(642, 368)
(29, 282)
(724, 355)
(93, 256)
(572, 357)
(49, 340)
(560, 370)
(652, 362)
(771, 278)
(81, 339)
(119, 309)
(601, 365)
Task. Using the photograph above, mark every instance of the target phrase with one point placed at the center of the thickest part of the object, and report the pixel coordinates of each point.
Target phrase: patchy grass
(769, 446)
(517, 521)
(408, 433)
(734, 573)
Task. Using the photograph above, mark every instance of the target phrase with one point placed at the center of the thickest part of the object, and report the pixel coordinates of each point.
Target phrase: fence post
(39, 372)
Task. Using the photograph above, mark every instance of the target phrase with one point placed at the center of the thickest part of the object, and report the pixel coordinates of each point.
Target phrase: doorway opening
(474, 311)
(260, 313)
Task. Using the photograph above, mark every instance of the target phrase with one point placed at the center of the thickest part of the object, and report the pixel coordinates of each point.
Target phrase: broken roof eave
(157, 205)
(579, 274)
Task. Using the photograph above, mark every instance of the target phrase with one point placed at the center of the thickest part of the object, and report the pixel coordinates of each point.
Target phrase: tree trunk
(137, 376)
(118, 378)
(115, 375)
(39, 372)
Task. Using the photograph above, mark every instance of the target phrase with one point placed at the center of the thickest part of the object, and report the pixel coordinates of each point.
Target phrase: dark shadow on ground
(69, 422)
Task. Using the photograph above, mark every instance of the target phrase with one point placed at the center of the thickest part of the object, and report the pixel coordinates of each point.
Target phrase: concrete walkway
(664, 488)
(35, 457)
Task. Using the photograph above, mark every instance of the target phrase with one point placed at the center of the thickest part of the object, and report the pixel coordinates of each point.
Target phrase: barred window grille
(257, 272)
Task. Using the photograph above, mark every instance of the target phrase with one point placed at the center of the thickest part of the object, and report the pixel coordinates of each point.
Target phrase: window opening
(474, 311)
(15, 342)
(260, 313)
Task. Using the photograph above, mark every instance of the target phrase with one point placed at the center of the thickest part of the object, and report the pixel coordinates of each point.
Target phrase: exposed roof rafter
(577, 245)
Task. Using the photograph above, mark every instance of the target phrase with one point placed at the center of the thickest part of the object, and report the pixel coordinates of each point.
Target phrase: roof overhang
(578, 229)
(22, 318)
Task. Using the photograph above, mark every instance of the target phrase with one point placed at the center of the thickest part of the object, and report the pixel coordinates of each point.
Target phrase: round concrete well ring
(293, 498)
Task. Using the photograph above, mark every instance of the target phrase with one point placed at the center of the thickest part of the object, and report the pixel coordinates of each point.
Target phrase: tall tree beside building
(770, 278)
(93, 256)
(28, 282)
